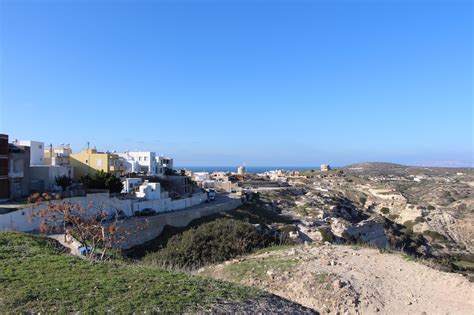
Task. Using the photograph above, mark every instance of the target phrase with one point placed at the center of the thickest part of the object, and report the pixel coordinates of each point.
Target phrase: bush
(433, 235)
(288, 228)
(419, 220)
(393, 217)
(409, 225)
(385, 210)
(209, 243)
(103, 180)
(327, 235)
(63, 181)
(430, 207)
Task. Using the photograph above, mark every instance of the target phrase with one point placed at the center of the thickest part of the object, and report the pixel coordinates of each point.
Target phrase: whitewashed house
(140, 162)
(36, 150)
(150, 191)
(164, 164)
(130, 184)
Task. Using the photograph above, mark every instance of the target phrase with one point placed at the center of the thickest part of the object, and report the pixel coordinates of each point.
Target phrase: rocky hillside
(426, 212)
(350, 280)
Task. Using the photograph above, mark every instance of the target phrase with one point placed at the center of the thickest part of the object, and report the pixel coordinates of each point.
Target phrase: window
(144, 158)
(17, 166)
(99, 162)
(139, 158)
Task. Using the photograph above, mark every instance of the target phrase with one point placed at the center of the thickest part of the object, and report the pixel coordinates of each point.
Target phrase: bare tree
(92, 226)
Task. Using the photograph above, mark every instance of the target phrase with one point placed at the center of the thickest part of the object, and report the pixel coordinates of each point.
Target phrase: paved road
(220, 199)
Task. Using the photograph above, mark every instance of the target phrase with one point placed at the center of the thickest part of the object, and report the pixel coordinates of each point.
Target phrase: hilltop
(384, 168)
(350, 280)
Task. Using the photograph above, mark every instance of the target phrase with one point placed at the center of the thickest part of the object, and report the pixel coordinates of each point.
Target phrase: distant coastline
(250, 169)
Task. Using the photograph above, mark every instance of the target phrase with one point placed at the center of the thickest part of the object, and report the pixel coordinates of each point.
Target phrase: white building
(201, 176)
(241, 170)
(164, 164)
(325, 167)
(36, 150)
(140, 162)
(129, 185)
(58, 155)
(150, 191)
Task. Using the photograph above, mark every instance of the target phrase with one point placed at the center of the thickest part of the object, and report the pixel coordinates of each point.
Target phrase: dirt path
(347, 280)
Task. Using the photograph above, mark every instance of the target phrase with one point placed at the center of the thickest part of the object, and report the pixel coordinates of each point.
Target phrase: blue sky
(226, 82)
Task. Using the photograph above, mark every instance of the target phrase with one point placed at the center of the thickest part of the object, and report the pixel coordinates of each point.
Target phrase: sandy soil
(350, 280)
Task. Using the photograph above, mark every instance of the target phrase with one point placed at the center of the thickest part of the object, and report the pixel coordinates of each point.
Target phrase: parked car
(211, 194)
(120, 215)
(145, 212)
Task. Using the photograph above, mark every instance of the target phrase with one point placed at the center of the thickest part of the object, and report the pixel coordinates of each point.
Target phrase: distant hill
(383, 168)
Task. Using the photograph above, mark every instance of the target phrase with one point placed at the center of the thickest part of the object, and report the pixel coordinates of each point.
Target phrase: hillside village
(144, 184)
(260, 230)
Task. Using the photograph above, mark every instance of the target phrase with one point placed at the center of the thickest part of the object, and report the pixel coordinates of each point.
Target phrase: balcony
(15, 174)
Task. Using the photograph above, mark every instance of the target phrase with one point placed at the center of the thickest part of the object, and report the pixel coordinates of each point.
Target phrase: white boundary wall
(22, 220)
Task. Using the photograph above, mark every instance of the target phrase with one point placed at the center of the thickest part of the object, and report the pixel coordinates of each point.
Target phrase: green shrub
(102, 180)
(393, 217)
(209, 243)
(288, 228)
(435, 236)
(327, 235)
(419, 220)
(385, 210)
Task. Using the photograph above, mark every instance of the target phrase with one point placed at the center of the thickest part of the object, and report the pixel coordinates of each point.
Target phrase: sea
(249, 169)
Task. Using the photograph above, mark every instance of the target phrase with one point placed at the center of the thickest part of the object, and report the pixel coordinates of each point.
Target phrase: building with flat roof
(325, 167)
(140, 162)
(4, 181)
(89, 161)
(19, 170)
(36, 150)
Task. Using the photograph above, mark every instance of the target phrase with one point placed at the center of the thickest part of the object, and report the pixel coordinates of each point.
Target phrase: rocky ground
(426, 212)
(350, 280)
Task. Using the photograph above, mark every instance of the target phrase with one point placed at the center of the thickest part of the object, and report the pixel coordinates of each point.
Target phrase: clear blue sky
(261, 82)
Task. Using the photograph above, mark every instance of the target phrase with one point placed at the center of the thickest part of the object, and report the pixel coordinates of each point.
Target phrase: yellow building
(89, 161)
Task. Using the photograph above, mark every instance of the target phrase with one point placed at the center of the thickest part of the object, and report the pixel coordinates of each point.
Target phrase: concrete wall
(144, 229)
(48, 174)
(22, 220)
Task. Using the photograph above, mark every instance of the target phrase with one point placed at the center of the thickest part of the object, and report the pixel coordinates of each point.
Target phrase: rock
(337, 284)
(333, 263)
(271, 274)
